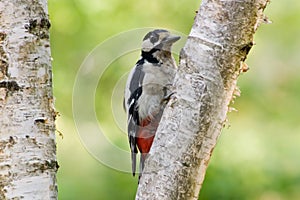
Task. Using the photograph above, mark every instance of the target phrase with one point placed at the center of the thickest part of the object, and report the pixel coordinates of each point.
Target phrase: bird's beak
(172, 38)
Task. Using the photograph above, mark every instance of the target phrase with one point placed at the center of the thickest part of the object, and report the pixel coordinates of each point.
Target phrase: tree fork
(210, 63)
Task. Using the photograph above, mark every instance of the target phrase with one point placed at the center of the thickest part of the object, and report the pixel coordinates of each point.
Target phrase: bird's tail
(133, 162)
(142, 162)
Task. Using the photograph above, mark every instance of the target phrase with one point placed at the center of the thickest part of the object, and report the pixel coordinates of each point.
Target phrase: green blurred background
(258, 153)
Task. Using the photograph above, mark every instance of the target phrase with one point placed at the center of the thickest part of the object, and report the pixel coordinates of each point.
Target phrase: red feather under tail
(145, 137)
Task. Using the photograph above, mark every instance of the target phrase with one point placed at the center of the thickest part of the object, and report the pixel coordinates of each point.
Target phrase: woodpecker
(147, 90)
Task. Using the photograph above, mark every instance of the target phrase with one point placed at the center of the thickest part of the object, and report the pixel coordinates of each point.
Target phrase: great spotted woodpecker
(147, 88)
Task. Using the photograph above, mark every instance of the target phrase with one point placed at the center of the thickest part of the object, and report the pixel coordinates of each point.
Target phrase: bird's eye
(153, 39)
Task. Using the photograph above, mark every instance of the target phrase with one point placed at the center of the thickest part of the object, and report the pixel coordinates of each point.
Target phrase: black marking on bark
(32, 140)
(40, 120)
(2, 36)
(11, 140)
(47, 165)
(45, 23)
(245, 49)
(10, 85)
(185, 164)
(3, 59)
(32, 24)
(39, 27)
(3, 65)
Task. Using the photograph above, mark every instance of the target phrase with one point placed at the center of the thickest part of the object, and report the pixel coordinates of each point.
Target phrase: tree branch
(210, 64)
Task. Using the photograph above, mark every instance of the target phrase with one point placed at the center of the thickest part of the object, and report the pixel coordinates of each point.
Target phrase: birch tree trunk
(205, 84)
(27, 131)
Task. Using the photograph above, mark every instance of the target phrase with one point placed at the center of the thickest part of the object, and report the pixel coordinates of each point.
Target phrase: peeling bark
(205, 84)
(27, 132)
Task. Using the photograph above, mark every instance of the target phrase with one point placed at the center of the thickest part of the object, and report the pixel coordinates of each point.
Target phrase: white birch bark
(205, 84)
(27, 131)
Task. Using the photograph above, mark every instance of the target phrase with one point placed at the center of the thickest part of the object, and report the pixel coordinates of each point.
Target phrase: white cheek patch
(147, 45)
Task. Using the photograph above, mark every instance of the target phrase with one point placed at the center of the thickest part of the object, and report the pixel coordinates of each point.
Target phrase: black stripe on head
(154, 35)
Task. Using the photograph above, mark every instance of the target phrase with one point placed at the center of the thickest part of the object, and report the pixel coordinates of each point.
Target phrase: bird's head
(159, 39)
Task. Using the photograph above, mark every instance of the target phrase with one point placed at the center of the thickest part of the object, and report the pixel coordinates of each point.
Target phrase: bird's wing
(132, 95)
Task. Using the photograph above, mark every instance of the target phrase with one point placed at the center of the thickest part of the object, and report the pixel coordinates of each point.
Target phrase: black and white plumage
(147, 87)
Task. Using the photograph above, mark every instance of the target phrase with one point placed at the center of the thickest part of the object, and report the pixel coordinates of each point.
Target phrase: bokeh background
(258, 154)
